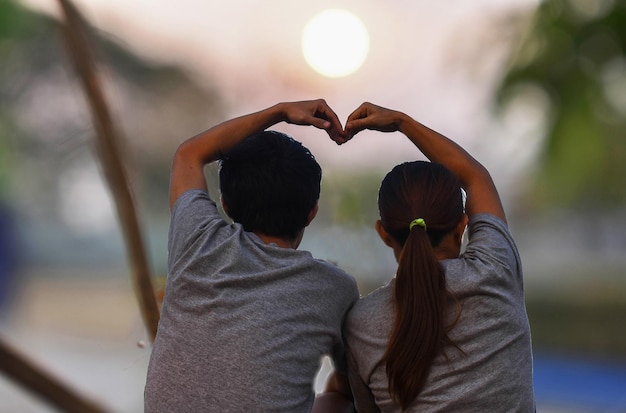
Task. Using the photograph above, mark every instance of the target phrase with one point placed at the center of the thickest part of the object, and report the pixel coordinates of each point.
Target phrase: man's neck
(281, 242)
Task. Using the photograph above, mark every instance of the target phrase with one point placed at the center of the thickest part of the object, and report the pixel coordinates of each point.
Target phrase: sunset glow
(335, 43)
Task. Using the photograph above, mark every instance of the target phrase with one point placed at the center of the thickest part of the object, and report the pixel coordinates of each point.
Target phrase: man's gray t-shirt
(495, 373)
(244, 324)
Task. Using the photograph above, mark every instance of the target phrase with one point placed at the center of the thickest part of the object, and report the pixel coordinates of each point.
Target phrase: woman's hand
(373, 117)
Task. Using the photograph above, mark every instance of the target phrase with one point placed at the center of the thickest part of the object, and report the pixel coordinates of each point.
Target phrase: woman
(450, 332)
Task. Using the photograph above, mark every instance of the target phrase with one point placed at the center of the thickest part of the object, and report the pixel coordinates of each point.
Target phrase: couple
(247, 316)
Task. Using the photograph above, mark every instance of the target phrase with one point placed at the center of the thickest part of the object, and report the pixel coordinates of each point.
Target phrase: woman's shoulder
(491, 253)
(484, 218)
(488, 232)
(373, 304)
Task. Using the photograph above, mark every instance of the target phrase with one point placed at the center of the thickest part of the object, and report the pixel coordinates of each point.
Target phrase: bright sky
(438, 61)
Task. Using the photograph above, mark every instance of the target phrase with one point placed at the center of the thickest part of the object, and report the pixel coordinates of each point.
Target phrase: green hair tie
(419, 221)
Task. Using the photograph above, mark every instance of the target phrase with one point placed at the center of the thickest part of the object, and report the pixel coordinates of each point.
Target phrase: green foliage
(14, 21)
(575, 53)
(46, 130)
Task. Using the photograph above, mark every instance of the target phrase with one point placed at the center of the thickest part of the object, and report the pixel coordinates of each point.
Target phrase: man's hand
(316, 113)
(208, 146)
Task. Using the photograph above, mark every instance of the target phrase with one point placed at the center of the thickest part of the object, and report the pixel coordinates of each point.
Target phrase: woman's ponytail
(419, 204)
(419, 329)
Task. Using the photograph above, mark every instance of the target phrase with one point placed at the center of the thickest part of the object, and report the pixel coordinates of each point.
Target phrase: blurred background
(536, 90)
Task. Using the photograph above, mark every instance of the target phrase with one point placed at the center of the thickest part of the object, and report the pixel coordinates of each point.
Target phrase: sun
(335, 43)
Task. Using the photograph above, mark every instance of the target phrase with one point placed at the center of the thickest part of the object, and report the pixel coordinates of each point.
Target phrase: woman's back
(491, 370)
(450, 333)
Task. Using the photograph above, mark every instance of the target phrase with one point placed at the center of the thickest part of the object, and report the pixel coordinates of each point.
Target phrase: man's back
(244, 323)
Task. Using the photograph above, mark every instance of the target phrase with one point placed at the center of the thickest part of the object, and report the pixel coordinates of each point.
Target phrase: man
(246, 316)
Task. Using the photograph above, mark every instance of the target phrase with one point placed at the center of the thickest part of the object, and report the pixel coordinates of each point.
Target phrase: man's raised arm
(208, 146)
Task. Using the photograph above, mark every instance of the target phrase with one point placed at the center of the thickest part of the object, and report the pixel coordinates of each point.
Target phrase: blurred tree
(48, 172)
(45, 124)
(14, 23)
(574, 55)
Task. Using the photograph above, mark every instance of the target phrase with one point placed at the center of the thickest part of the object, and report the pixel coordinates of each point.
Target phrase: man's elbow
(187, 172)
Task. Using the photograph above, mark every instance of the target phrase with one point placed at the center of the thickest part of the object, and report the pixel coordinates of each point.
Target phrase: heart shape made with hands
(366, 116)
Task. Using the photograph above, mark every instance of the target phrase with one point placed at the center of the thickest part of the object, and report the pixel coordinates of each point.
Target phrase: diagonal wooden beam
(24, 372)
(13, 364)
(77, 40)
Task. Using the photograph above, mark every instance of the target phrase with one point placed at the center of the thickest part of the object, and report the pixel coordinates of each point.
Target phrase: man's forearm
(208, 146)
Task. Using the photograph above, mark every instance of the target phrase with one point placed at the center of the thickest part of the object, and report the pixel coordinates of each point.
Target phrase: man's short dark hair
(270, 183)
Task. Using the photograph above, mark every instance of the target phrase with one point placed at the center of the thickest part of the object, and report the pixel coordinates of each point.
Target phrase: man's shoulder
(194, 216)
(336, 277)
(333, 268)
(194, 208)
(192, 198)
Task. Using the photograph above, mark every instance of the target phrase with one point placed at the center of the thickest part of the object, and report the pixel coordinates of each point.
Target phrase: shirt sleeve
(193, 213)
(491, 251)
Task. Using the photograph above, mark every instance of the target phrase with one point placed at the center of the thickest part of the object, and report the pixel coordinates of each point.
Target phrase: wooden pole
(16, 366)
(43, 384)
(77, 40)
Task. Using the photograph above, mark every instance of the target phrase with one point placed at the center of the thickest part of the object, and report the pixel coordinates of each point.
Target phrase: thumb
(354, 126)
(319, 122)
